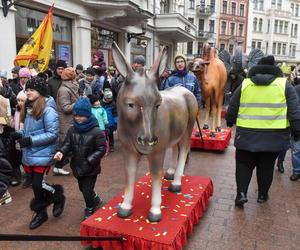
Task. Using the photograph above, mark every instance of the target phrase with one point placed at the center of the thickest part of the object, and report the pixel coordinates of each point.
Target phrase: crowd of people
(70, 116)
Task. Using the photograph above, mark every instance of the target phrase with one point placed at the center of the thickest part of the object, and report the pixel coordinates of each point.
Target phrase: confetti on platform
(110, 208)
(103, 208)
(192, 189)
(153, 228)
(127, 219)
(188, 205)
(147, 196)
(98, 219)
(142, 193)
(182, 201)
(137, 220)
(140, 228)
(147, 221)
(114, 214)
(176, 211)
(178, 206)
(109, 217)
(183, 215)
(156, 235)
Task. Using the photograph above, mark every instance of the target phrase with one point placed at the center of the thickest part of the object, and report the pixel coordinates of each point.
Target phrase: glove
(24, 142)
(15, 135)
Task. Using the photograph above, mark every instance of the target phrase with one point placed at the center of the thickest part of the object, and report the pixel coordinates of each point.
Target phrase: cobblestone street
(273, 225)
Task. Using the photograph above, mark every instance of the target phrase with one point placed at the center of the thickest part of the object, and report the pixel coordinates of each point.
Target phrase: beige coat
(66, 97)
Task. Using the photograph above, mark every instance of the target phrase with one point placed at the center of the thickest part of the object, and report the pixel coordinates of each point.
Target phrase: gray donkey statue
(150, 121)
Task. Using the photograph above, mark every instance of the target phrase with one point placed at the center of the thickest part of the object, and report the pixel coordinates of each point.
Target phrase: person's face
(96, 104)
(23, 80)
(80, 118)
(78, 71)
(180, 63)
(3, 80)
(89, 77)
(136, 66)
(32, 94)
(14, 75)
(95, 58)
(20, 102)
(59, 70)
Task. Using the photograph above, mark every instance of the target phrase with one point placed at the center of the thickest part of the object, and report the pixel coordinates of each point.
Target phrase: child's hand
(58, 156)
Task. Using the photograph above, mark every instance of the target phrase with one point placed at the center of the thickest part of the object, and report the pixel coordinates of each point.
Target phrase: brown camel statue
(150, 121)
(212, 75)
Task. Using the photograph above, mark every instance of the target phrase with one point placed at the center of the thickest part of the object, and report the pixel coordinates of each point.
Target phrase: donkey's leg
(220, 105)
(169, 175)
(156, 169)
(207, 111)
(131, 161)
(184, 147)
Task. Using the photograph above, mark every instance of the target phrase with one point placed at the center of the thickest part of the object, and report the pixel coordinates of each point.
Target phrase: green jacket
(101, 116)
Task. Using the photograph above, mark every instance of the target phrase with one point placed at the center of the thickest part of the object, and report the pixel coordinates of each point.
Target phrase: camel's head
(199, 65)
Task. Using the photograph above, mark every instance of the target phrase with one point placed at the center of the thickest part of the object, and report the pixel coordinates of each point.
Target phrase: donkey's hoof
(168, 176)
(205, 126)
(154, 217)
(218, 129)
(174, 188)
(212, 134)
(124, 213)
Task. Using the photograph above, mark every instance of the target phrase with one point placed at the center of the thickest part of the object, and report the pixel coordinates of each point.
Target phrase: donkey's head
(139, 101)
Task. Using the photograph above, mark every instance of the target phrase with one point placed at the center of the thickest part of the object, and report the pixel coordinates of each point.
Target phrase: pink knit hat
(25, 72)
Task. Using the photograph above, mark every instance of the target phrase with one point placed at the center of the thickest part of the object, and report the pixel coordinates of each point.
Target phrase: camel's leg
(184, 148)
(213, 113)
(199, 116)
(207, 111)
(220, 105)
(131, 161)
(156, 169)
(169, 175)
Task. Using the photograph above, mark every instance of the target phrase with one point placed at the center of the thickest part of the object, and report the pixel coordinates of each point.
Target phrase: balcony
(175, 27)
(206, 34)
(207, 10)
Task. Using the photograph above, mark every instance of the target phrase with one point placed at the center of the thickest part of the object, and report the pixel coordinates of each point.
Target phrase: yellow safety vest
(263, 106)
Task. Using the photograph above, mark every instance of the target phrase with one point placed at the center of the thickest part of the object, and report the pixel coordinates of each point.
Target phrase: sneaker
(98, 202)
(295, 177)
(88, 211)
(14, 182)
(6, 198)
(280, 166)
(27, 181)
(38, 219)
(60, 171)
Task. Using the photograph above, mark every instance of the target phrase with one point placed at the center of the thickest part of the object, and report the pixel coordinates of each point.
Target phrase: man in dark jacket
(55, 81)
(266, 110)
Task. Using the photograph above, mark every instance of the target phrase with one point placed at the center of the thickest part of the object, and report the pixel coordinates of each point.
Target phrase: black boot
(241, 199)
(262, 198)
(280, 166)
(27, 181)
(58, 201)
(40, 208)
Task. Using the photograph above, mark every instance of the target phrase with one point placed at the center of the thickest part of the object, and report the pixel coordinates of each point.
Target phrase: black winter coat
(265, 140)
(86, 149)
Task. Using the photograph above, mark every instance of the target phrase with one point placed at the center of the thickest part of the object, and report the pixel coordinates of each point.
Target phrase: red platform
(219, 142)
(180, 211)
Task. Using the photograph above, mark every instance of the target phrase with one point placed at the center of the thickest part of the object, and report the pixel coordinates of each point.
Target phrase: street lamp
(6, 4)
(135, 35)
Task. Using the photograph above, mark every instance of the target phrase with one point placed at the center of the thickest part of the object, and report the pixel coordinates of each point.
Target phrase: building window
(295, 30)
(268, 26)
(259, 45)
(278, 48)
(230, 48)
(280, 27)
(233, 9)
(201, 24)
(294, 50)
(200, 47)
(254, 24)
(242, 10)
(190, 48)
(255, 4)
(191, 20)
(241, 29)
(222, 46)
(253, 45)
(211, 26)
(292, 8)
(279, 4)
(192, 4)
(292, 29)
(261, 5)
(275, 26)
(286, 25)
(284, 49)
(212, 5)
(297, 10)
(224, 7)
(232, 27)
(223, 28)
(260, 25)
(273, 5)
(267, 47)
(274, 49)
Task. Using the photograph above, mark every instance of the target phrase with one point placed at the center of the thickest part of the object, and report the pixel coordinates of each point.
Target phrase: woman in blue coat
(38, 143)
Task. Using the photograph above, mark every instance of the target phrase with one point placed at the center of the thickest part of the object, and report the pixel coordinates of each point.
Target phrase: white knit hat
(22, 96)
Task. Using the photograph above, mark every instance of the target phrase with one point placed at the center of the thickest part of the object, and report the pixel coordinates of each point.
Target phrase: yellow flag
(36, 52)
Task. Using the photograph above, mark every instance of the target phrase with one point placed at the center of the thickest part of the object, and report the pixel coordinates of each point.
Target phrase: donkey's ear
(120, 61)
(160, 63)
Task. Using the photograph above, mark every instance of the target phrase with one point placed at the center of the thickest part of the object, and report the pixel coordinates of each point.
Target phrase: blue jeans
(295, 146)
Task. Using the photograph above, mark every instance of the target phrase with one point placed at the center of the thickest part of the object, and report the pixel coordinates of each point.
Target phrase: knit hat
(94, 98)
(82, 107)
(3, 73)
(15, 70)
(22, 96)
(90, 71)
(267, 60)
(25, 72)
(61, 63)
(68, 74)
(107, 94)
(79, 67)
(140, 60)
(38, 84)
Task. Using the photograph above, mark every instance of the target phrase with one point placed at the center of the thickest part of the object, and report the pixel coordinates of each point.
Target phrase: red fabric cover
(219, 142)
(180, 212)
(223, 112)
(36, 169)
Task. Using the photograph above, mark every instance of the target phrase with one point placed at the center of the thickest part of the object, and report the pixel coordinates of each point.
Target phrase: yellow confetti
(142, 193)
(147, 196)
(137, 185)
(191, 202)
(184, 215)
(141, 217)
(176, 211)
(182, 201)
(103, 208)
(188, 205)
(162, 195)
(153, 223)
(178, 206)
(147, 221)
(156, 235)
(141, 228)
(114, 214)
(136, 220)
(179, 193)
(98, 219)
(192, 189)
(110, 208)
(127, 219)
(186, 180)
(109, 217)
(164, 233)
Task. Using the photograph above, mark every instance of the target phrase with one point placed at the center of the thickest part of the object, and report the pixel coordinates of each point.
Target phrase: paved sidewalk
(273, 225)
